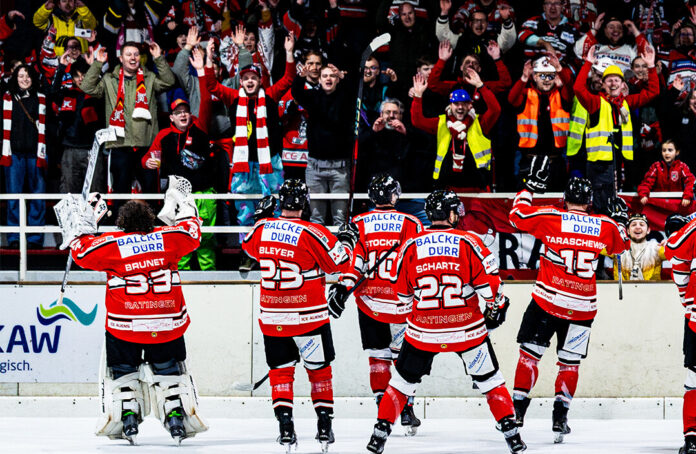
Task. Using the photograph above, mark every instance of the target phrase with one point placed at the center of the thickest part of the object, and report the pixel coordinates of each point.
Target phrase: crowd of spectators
(237, 95)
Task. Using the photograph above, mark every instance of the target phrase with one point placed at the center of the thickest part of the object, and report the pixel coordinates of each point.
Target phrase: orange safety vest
(527, 121)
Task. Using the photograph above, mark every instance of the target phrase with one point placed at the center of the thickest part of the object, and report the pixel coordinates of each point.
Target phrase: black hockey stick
(375, 44)
(101, 136)
(254, 386)
(616, 194)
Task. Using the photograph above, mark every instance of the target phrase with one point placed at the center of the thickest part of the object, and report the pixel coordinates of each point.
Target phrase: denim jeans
(328, 177)
(23, 173)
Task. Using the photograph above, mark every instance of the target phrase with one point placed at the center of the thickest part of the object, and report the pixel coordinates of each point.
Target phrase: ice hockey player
(146, 313)
(681, 251)
(443, 272)
(381, 315)
(294, 256)
(564, 299)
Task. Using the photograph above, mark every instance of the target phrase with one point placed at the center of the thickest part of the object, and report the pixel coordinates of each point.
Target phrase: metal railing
(23, 229)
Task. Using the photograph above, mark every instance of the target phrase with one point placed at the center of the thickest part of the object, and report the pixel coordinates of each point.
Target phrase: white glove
(178, 203)
(76, 217)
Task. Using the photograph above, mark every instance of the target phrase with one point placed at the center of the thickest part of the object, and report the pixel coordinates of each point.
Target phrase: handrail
(23, 228)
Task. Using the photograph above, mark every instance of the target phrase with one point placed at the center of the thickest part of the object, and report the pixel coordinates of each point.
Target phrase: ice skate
(560, 426)
(521, 406)
(379, 436)
(409, 420)
(508, 427)
(325, 435)
(175, 423)
(287, 436)
(130, 426)
(689, 445)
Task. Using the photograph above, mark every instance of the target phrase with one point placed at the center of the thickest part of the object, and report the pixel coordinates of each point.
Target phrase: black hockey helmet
(674, 222)
(578, 191)
(384, 189)
(439, 204)
(265, 208)
(293, 195)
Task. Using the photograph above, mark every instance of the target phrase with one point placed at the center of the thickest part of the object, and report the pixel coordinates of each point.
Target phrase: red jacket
(668, 178)
(445, 87)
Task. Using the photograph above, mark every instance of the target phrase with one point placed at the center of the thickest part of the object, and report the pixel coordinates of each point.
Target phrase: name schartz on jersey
(582, 224)
(438, 244)
(281, 232)
(140, 244)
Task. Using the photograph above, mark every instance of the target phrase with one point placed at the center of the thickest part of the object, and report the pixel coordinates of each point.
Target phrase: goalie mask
(293, 195)
(384, 190)
(440, 203)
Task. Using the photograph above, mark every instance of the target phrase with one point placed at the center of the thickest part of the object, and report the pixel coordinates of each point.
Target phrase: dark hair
(313, 52)
(138, 46)
(67, 39)
(136, 216)
(673, 142)
(424, 60)
(12, 84)
(79, 65)
(602, 38)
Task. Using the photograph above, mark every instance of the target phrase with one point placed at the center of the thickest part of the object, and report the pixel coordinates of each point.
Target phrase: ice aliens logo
(68, 310)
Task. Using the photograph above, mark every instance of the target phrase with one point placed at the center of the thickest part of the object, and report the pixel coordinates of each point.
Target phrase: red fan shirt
(681, 251)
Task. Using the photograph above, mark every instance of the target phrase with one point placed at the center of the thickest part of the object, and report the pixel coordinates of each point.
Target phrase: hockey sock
(566, 383)
(380, 374)
(391, 405)
(322, 389)
(281, 387)
(690, 412)
(500, 403)
(526, 374)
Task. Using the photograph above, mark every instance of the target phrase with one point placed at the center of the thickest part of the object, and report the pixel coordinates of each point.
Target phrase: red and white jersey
(294, 255)
(566, 285)
(440, 271)
(681, 251)
(144, 301)
(379, 230)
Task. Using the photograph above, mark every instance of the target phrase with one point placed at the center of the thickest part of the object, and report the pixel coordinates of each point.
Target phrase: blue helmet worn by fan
(460, 95)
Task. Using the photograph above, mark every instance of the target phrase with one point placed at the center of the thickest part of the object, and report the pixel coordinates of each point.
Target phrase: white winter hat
(543, 65)
(602, 64)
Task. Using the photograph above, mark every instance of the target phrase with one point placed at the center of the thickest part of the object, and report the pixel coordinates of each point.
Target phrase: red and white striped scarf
(141, 109)
(240, 157)
(6, 159)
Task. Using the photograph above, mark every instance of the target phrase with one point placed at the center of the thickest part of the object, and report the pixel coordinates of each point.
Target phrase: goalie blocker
(144, 366)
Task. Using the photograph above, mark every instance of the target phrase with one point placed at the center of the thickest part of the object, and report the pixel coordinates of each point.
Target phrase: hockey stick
(616, 192)
(101, 136)
(376, 43)
(254, 386)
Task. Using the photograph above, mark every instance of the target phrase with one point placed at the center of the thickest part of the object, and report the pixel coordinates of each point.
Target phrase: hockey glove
(494, 315)
(338, 294)
(265, 208)
(618, 210)
(537, 179)
(98, 204)
(674, 223)
(348, 234)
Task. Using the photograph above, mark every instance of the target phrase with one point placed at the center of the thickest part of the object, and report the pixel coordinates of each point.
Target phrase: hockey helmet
(674, 223)
(384, 190)
(578, 191)
(612, 70)
(265, 208)
(440, 203)
(460, 95)
(293, 195)
(543, 65)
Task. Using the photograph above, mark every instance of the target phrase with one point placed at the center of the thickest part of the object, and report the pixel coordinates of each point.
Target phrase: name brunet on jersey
(131, 245)
(582, 224)
(281, 232)
(383, 222)
(437, 244)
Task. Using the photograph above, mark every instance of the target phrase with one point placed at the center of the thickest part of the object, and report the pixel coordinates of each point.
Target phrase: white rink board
(635, 348)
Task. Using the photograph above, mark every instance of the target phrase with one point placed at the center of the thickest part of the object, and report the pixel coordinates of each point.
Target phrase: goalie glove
(618, 210)
(265, 208)
(494, 314)
(537, 179)
(76, 217)
(178, 203)
(338, 294)
(348, 234)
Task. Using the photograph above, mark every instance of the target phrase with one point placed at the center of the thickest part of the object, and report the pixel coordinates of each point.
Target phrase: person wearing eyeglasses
(551, 32)
(543, 97)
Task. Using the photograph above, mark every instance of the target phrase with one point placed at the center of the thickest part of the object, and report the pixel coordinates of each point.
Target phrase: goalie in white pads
(146, 317)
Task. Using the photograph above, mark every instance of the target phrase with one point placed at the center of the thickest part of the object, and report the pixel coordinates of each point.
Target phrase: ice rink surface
(59, 434)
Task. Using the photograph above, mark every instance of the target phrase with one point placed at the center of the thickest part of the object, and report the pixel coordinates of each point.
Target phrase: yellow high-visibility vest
(479, 145)
(597, 142)
(578, 121)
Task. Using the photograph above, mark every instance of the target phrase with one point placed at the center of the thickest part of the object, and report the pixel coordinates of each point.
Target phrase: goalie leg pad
(177, 391)
(126, 392)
